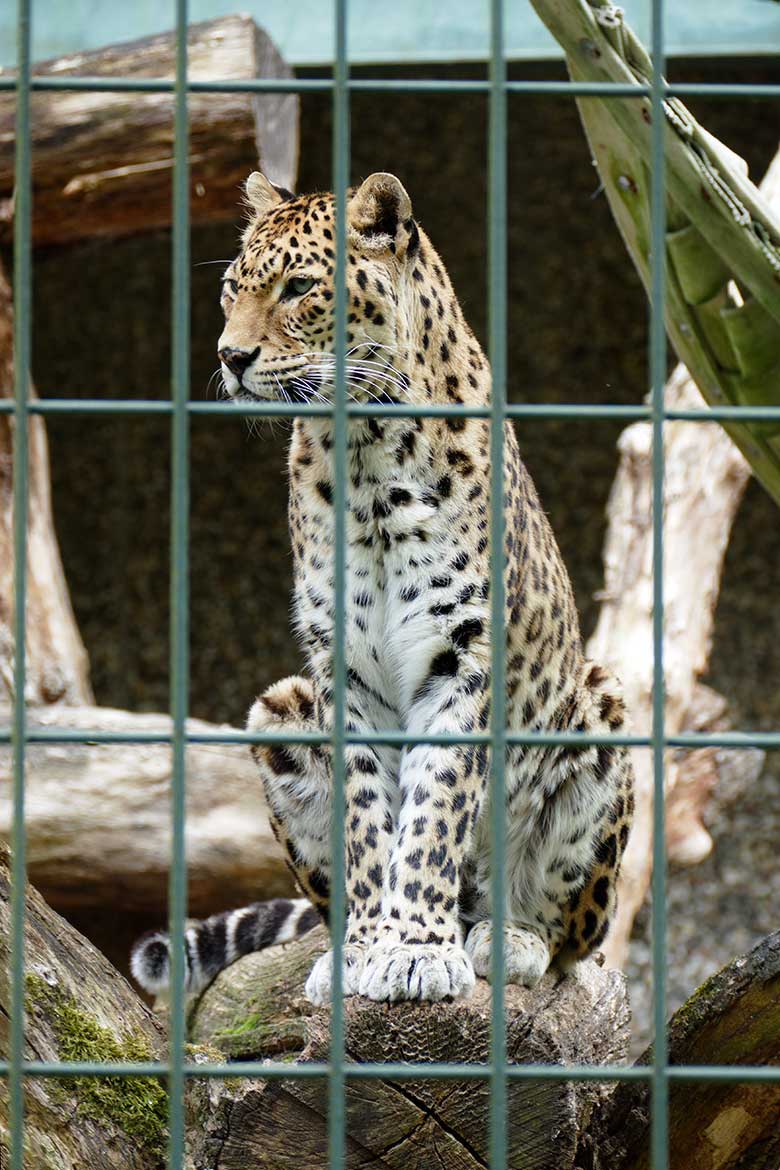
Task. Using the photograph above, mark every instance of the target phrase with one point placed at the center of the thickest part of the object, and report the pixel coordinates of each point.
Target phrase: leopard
(416, 623)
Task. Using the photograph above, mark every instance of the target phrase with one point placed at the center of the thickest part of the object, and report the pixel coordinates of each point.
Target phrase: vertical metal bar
(179, 584)
(497, 233)
(22, 349)
(340, 146)
(660, 1082)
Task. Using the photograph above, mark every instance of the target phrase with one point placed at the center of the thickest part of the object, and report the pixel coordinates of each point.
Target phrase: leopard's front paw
(416, 971)
(318, 985)
(526, 954)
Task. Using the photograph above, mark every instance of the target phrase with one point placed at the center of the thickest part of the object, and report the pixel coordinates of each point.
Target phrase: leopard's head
(278, 295)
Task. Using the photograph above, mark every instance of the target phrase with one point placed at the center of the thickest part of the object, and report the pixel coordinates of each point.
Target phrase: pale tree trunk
(705, 476)
(102, 165)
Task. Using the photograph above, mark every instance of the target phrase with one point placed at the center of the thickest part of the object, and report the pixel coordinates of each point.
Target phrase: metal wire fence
(498, 1072)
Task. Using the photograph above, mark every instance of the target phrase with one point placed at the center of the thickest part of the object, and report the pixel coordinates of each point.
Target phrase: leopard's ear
(261, 194)
(380, 213)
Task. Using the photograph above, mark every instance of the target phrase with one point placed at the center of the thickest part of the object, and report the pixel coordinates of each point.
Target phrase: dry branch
(98, 817)
(705, 476)
(103, 162)
(256, 1008)
(57, 668)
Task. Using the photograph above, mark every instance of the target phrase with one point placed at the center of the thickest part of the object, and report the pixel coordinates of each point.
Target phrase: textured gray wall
(578, 334)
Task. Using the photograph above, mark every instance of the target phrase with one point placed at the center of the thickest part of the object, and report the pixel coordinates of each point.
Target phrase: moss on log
(79, 1008)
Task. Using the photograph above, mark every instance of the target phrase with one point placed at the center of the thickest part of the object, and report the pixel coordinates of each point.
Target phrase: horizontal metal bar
(724, 739)
(424, 85)
(97, 406)
(728, 1073)
(544, 410)
(397, 1071)
(726, 414)
(726, 89)
(689, 740)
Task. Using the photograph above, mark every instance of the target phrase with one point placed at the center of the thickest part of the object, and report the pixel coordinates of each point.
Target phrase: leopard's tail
(214, 943)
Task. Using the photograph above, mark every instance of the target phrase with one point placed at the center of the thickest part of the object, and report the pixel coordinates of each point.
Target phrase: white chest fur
(397, 548)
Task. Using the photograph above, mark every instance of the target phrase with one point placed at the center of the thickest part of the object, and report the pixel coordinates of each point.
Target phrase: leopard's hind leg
(592, 902)
(569, 811)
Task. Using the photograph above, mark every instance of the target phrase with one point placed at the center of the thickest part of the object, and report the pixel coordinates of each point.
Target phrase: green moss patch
(137, 1105)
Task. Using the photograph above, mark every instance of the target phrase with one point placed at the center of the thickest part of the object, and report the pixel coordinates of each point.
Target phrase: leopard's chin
(285, 392)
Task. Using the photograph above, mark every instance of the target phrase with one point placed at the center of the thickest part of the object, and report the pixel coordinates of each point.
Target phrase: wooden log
(57, 666)
(705, 477)
(256, 1008)
(77, 1007)
(103, 162)
(734, 1018)
(98, 817)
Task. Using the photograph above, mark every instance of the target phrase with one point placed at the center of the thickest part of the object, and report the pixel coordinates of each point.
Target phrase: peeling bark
(57, 667)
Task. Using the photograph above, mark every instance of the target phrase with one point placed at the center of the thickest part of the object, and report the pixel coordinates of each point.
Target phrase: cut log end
(256, 1008)
(80, 191)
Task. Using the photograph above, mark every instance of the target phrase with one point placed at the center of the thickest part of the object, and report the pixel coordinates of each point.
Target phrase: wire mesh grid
(337, 1070)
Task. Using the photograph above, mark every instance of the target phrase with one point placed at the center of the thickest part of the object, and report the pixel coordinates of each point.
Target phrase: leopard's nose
(238, 361)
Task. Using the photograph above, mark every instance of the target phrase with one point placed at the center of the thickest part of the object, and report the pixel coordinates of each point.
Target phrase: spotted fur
(418, 621)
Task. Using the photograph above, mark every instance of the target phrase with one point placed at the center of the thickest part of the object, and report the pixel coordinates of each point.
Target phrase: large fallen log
(98, 817)
(733, 1019)
(103, 162)
(256, 1008)
(705, 477)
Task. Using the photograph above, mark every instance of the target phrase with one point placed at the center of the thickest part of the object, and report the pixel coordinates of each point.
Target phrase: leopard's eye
(297, 287)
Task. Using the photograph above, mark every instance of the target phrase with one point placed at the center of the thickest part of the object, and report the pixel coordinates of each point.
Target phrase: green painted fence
(337, 1070)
